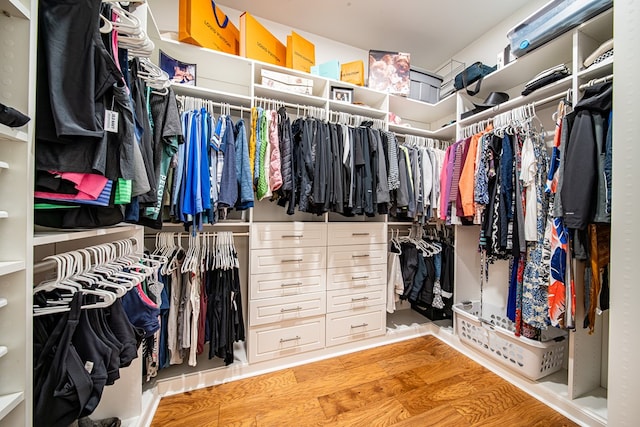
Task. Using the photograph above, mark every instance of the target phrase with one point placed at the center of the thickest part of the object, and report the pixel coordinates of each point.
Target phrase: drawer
(288, 235)
(289, 259)
(348, 299)
(357, 255)
(356, 234)
(286, 308)
(286, 339)
(287, 283)
(344, 327)
(357, 277)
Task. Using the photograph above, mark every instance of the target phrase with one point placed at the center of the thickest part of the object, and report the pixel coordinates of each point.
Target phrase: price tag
(111, 121)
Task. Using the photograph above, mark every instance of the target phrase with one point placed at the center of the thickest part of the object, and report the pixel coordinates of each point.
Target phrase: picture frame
(179, 72)
(342, 94)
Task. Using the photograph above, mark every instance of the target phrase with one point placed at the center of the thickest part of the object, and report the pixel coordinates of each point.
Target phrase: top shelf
(47, 237)
(15, 8)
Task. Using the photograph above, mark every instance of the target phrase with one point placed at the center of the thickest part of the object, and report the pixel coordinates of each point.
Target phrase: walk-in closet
(172, 237)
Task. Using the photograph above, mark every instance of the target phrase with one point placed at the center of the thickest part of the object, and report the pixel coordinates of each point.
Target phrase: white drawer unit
(347, 299)
(286, 338)
(357, 255)
(357, 234)
(287, 283)
(288, 235)
(356, 278)
(287, 308)
(287, 259)
(347, 326)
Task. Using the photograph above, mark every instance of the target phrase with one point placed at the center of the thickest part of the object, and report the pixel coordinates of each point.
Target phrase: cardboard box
(287, 82)
(390, 72)
(301, 53)
(256, 42)
(203, 24)
(352, 72)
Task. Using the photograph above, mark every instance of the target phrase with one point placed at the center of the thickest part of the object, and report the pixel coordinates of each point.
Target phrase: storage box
(329, 69)
(449, 71)
(493, 333)
(286, 82)
(390, 72)
(301, 53)
(552, 20)
(425, 86)
(352, 72)
(202, 25)
(256, 42)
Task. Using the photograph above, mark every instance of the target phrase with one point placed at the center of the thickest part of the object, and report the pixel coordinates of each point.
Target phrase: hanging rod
(184, 98)
(596, 81)
(188, 233)
(50, 264)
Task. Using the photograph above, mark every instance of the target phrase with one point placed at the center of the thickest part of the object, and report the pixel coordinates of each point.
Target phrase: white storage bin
(493, 335)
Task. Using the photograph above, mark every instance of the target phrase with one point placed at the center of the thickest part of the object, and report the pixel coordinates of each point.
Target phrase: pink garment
(89, 186)
(444, 200)
(275, 165)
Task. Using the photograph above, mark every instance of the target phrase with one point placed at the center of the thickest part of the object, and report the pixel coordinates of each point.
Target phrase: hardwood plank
(318, 369)
(359, 396)
(486, 403)
(406, 362)
(530, 413)
(306, 413)
(268, 383)
(383, 413)
(442, 415)
(198, 407)
(430, 396)
(376, 354)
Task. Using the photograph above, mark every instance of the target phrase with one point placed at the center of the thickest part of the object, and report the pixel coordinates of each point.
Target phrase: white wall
(486, 48)
(165, 13)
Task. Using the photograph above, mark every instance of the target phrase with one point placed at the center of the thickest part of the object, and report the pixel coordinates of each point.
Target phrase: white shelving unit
(18, 21)
(580, 388)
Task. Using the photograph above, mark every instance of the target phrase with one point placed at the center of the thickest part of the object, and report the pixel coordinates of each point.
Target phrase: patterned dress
(535, 308)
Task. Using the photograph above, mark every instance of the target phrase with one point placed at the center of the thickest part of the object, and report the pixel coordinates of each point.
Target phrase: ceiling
(432, 31)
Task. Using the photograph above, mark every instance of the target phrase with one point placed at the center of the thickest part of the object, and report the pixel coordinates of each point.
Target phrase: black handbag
(472, 74)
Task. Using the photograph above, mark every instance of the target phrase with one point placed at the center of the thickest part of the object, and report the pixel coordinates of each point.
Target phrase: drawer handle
(359, 299)
(359, 277)
(292, 236)
(360, 256)
(292, 260)
(359, 234)
(289, 310)
(364, 325)
(289, 285)
(282, 340)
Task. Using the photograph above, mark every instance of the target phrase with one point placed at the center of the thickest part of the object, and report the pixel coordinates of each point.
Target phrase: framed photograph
(390, 72)
(179, 72)
(342, 94)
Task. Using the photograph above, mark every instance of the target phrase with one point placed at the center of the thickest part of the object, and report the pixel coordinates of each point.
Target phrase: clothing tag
(88, 366)
(111, 121)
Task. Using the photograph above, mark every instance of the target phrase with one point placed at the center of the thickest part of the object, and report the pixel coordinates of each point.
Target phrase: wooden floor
(420, 382)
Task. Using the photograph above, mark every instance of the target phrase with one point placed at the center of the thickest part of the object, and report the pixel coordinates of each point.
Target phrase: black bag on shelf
(474, 73)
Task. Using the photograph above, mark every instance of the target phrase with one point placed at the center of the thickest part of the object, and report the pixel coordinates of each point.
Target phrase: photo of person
(389, 72)
(342, 94)
(179, 72)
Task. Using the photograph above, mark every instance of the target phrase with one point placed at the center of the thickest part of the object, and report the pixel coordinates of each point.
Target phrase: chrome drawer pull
(288, 285)
(359, 299)
(292, 236)
(359, 234)
(360, 256)
(292, 260)
(364, 325)
(282, 340)
(289, 310)
(359, 277)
